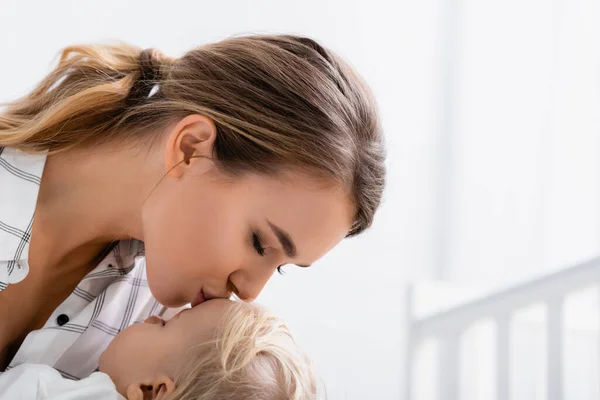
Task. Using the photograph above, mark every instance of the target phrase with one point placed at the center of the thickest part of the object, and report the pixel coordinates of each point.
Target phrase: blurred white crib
(447, 328)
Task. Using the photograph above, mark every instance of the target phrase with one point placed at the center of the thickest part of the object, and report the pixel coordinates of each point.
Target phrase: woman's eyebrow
(286, 241)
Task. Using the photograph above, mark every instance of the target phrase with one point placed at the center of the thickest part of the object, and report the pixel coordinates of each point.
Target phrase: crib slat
(554, 350)
(449, 367)
(502, 356)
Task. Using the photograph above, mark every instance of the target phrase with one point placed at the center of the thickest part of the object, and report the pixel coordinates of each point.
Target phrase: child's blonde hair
(253, 357)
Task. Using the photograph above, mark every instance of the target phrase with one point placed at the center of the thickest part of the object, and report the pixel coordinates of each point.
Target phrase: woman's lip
(200, 298)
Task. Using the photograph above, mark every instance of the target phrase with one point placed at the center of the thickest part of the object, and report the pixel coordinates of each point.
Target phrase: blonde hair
(276, 101)
(253, 358)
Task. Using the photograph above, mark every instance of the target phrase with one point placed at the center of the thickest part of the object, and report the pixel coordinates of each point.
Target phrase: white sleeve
(23, 382)
(41, 382)
(97, 386)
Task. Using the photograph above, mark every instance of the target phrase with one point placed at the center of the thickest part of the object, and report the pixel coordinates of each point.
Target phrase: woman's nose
(248, 283)
(154, 320)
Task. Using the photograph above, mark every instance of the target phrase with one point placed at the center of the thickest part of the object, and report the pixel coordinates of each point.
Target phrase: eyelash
(257, 243)
(260, 249)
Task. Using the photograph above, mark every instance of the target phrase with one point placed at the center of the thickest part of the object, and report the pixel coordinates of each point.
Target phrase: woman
(227, 163)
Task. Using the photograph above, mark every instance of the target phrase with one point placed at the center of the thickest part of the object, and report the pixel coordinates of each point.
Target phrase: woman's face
(208, 234)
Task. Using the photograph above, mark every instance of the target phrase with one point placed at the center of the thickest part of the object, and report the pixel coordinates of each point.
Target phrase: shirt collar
(20, 177)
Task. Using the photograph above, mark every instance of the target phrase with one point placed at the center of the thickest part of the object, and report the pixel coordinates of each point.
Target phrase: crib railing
(448, 326)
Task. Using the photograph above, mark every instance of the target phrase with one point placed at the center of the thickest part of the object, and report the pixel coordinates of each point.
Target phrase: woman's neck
(92, 197)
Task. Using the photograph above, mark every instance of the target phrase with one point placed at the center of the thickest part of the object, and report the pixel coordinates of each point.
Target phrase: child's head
(217, 350)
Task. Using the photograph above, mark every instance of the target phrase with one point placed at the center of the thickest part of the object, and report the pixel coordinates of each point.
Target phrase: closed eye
(257, 243)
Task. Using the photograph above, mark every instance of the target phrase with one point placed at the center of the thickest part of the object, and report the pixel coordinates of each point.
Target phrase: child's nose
(155, 320)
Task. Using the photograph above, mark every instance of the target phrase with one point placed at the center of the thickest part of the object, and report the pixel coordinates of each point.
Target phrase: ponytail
(83, 100)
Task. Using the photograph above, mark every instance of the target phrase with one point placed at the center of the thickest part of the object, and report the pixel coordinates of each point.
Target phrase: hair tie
(150, 66)
(148, 82)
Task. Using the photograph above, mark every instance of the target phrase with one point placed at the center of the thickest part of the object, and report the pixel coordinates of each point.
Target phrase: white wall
(348, 309)
(526, 140)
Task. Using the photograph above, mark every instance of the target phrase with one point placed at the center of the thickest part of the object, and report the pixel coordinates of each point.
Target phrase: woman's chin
(167, 298)
(171, 301)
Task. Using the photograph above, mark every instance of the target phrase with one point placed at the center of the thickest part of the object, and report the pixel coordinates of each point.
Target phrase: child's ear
(160, 388)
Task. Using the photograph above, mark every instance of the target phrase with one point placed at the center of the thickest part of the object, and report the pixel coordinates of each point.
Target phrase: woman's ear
(193, 136)
(160, 388)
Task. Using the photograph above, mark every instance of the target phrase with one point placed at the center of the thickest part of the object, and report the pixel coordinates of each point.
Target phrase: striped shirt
(110, 298)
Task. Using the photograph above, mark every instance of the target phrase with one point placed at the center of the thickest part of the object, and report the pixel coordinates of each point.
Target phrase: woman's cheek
(230, 250)
(218, 255)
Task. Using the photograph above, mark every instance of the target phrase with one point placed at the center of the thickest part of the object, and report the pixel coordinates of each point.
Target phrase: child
(217, 350)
